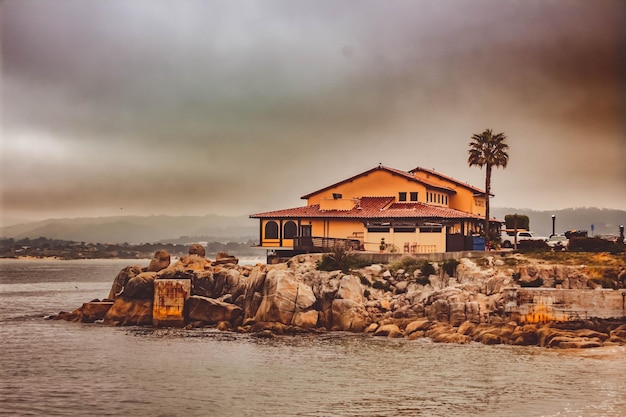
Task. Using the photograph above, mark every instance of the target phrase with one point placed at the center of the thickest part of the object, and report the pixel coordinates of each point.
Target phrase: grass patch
(410, 265)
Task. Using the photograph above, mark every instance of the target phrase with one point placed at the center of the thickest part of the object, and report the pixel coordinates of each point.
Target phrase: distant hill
(138, 229)
(605, 221)
(216, 228)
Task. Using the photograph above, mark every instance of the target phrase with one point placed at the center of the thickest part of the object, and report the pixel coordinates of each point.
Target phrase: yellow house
(416, 211)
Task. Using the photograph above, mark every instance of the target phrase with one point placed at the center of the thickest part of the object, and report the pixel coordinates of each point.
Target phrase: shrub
(427, 269)
(422, 280)
(365, 281)
(533, 246)
(523, 221)
(593, 244)
(407, 263)
(381, 285)
(341, 257)
(605, 282)
(449, 266)
(410, 265)
(537, 282)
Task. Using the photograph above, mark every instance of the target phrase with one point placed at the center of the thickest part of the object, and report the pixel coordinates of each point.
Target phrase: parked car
(558, 242)
(508, 237)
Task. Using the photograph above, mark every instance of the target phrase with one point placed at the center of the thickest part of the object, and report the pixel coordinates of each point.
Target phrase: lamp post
(553, 224)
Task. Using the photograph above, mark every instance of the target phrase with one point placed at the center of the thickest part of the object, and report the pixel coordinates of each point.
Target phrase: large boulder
(389, 330)
(283, 298)
(349, 315)
(95, 310)
(120, 281)
(211, 311)
(161, 260)
(129, 313)
(197, 249)
(140, 286)
(222, 258)
(350, 288)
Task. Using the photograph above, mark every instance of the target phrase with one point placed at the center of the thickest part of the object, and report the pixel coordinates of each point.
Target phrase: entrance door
(305, 235)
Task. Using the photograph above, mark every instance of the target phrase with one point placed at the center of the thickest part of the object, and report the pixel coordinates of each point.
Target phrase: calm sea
(56, 368)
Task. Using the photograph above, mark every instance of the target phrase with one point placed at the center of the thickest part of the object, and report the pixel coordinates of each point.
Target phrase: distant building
(418, 211)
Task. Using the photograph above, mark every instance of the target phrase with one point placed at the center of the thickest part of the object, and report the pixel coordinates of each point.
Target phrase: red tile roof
(393, 171)
(372, 208)
(453, 180)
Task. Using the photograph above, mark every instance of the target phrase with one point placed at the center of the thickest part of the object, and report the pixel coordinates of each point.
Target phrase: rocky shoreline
(473, 304)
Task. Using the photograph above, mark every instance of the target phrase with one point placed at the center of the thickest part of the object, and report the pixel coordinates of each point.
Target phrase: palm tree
(489, 150)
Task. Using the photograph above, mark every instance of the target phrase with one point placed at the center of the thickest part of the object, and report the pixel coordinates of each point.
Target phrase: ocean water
(56, 368)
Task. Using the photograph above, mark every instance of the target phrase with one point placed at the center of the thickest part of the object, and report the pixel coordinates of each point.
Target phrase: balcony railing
(323, 244)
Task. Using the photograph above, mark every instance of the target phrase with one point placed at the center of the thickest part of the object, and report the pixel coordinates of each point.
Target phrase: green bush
(537, 282)
(606, 282)
(422, 280)
(342, 258)
(523, 222)
(427, 269)
(407, 263)
(410, 265)
(533, 246)
(593, 244)
(449, 266)
(381, 285)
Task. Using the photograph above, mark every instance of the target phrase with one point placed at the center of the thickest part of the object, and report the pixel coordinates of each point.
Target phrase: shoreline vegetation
(44, 248)
(455, 301)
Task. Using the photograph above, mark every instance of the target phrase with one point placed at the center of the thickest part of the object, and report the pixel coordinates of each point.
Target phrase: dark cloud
(242, 107)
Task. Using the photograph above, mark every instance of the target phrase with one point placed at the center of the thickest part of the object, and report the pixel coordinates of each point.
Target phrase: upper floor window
(271, 230)
(413, 196)
(402, 196)
(289, 230)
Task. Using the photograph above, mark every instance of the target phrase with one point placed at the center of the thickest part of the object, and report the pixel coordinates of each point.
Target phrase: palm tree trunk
(487, 194)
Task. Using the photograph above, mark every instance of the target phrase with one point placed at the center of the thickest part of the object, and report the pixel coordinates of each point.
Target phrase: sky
(238, 107)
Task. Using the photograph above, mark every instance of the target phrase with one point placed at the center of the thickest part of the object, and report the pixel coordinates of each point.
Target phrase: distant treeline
(66, 249)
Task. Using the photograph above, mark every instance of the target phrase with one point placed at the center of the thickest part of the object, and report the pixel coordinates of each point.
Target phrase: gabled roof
(445, 177)
(392, 171)
(371, 208)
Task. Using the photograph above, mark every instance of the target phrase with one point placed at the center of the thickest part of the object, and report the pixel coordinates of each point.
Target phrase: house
(416, 211)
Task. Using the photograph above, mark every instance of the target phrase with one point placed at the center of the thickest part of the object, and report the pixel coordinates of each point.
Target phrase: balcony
(317, 244)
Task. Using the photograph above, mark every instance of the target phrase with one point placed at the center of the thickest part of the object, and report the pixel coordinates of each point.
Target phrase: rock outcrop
(479, 303)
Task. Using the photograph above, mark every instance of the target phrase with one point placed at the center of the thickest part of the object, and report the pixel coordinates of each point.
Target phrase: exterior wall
(463, 199)
(336, 204)
(345, 229)
(404, 242)
(377, 183)
(269, 242)
(280, 241)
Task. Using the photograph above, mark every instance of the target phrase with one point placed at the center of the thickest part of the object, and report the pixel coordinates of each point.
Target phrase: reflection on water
(67, 369)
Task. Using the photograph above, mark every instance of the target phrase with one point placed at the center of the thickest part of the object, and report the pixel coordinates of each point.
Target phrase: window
(430, 229)
(402, 196)
(404, 229)
(271, 230)
(413, 196)
(378, 227)
(289, 230)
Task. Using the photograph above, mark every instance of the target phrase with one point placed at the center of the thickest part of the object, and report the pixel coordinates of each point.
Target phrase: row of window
(412, 196)
(290, 229)
(403, 229)
(437, 198)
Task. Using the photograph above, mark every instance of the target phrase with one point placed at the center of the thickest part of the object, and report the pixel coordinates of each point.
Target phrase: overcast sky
(237, 107)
